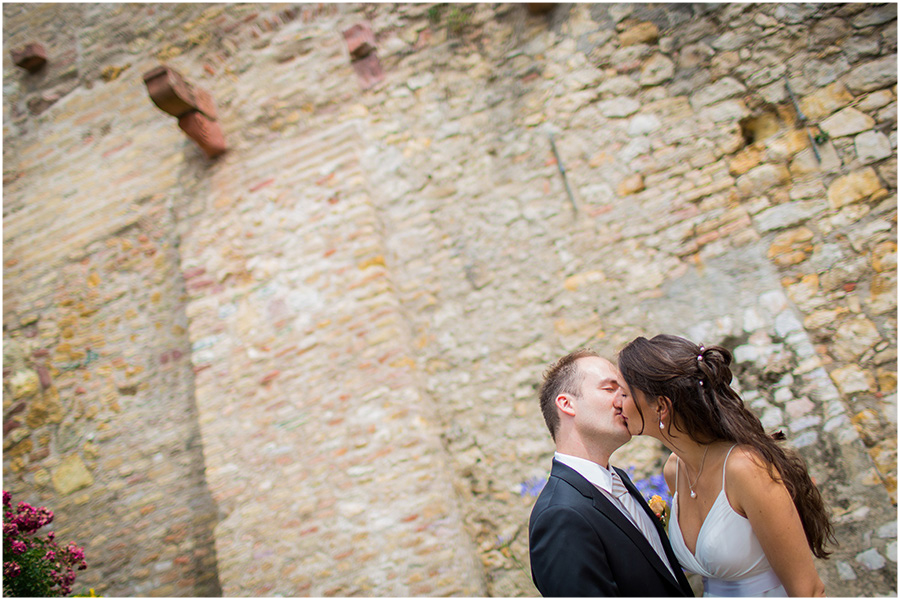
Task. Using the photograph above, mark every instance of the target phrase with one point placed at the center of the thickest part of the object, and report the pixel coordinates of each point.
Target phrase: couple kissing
(745, 514)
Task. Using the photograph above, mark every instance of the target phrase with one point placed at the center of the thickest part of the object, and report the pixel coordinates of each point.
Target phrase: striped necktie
(618, 487)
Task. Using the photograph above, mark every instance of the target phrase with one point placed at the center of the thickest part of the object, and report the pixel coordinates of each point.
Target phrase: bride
(745, 513)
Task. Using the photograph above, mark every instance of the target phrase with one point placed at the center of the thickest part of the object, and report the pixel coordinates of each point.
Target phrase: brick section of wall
(373, 281)
(321, 448)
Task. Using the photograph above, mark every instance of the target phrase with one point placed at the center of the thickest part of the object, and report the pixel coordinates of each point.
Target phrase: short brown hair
(563, 377)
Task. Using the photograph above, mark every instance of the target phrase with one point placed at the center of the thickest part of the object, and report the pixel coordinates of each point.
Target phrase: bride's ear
(664, 408)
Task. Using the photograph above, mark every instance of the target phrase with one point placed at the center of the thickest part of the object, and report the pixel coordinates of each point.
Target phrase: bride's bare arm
(767, 504)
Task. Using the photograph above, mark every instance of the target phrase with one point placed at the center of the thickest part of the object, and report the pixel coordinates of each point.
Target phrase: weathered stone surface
(852, 380)
(643, 124)
(657, 69)
(876, 15)
(728, 110)
(794, 13)
(875, 100)
(720, 90)
(854, 337)
(785, 215)
(872, 146)
(694, 55)
(872, 75)
(759, 179)
(829, 31)
(871, 559)
(618, 107)
(847, 122)
(620, 85)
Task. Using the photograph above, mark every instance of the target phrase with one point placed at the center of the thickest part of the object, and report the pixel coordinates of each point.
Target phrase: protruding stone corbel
(31, 57)
(193, 107)
(361, 45)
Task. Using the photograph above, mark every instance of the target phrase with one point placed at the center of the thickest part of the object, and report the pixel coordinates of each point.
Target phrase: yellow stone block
(577, 280)
(822, 318)
(404, 362)
(887, 380)
(375, 261)
(71, 475)
(744, 160)
(642, 33)
(24, 383)
(631, 185)
(825, 101)
(884, 257)
(853, 187)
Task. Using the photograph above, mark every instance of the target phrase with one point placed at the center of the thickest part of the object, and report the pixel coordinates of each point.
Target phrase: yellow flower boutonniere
(661, 509)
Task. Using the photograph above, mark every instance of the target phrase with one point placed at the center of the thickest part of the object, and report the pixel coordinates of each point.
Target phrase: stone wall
(308, 367)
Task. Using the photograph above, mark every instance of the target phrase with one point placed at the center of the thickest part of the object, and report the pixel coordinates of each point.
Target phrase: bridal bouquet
(35, 565)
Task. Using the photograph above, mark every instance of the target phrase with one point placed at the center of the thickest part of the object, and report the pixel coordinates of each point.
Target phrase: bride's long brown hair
(697, 381)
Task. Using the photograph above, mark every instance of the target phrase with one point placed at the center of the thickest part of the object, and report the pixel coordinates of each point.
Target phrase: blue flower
(655, 485)
(532, 486)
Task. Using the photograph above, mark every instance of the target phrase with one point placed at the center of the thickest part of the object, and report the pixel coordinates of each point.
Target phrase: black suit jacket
(582, 545)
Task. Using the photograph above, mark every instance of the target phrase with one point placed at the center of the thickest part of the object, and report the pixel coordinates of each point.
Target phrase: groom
(591, 533)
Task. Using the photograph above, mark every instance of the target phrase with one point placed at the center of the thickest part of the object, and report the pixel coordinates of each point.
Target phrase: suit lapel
(663, 536)
(605, 506)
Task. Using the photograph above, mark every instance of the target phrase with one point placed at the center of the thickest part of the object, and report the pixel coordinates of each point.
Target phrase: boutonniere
(661, 509)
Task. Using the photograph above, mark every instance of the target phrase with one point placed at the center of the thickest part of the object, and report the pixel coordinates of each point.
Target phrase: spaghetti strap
(677, 468)
(725, 462)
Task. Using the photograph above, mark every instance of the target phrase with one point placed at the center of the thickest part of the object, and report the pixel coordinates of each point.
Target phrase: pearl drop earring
(661, 426)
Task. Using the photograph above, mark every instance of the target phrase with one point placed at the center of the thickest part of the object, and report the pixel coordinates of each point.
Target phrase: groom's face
(599, 407)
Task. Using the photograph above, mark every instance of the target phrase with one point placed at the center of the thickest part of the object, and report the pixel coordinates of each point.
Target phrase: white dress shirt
(602, 479)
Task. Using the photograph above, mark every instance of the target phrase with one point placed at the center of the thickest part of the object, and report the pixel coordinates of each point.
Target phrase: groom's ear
(564, 402)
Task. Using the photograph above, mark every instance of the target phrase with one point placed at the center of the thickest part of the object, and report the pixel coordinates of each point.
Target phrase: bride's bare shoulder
(669, 471)
(747, 466)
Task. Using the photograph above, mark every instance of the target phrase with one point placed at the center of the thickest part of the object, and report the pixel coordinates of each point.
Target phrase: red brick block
(206, 133)
(170, 92)
(31, 57)
(205, 104)
(368, 70)
(360, 40)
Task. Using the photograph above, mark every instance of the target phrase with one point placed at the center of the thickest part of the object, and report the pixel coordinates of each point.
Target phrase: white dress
(728, 554)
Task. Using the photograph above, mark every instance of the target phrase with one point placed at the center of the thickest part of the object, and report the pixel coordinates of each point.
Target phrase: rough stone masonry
(309, 366)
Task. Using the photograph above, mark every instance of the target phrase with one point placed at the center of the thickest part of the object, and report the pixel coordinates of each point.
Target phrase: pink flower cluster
(51, 570)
